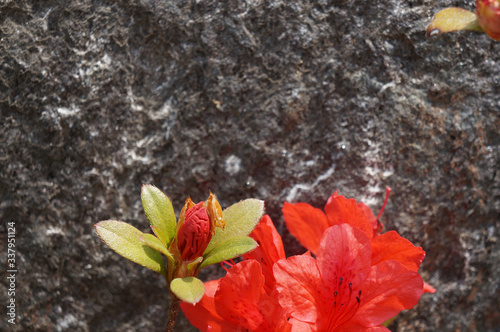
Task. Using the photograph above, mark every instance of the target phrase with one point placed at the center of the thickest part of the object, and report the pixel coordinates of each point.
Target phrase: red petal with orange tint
(299, 283)
(344, 262)
(241, 299)
(389, 288)
(391, 246)
(341, 210)
(305, 223)
(376, 224)
(240, 303)
(344, 253)
(269, 251)
(323, 291)
(268, 238)
(203, 315)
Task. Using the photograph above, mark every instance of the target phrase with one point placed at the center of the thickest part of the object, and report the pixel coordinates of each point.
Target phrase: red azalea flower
(307, 224)
(237, 302)
(246, 298)
(341, 290)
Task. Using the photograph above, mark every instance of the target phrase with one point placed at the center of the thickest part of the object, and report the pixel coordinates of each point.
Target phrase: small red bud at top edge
(194, 234)
(488, 16)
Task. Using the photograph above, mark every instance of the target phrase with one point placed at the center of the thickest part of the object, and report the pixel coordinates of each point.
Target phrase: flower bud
(194, 232)
(488, 16)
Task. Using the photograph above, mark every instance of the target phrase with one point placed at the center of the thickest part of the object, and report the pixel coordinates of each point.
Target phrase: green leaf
(453, 19)
(240, 219)
(160, 213)
(229, 249)
(156, 244)
(188, 289)
(126, 241)
(192, 264)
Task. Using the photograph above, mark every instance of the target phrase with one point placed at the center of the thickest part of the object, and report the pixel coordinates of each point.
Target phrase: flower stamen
(229, 263)
(387, 192)
(342, 312)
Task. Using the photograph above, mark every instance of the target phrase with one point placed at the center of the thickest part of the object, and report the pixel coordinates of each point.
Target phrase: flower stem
(172, 313)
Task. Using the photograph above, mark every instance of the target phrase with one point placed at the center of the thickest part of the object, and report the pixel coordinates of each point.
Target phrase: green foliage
(160, 213)
(156, 244)
(146, 249)
(188, 289)
(126, 240)
(229, 249)
(241, 218)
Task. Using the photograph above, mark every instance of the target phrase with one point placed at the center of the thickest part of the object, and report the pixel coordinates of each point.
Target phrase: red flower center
(346, 303)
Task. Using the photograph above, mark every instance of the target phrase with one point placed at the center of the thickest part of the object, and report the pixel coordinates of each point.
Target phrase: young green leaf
(240, 219)
(156, 244)
(160, 213)
(229, 249)
(191, 267)
(188, 289)
(126, 241)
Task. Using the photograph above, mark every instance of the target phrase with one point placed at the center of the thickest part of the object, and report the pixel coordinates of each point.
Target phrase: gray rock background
(278, 100)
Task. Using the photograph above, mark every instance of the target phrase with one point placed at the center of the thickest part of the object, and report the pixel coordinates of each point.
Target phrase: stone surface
(278, 100)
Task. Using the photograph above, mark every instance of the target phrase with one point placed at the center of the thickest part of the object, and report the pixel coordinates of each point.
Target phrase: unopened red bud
(194, 234)
(488, 16)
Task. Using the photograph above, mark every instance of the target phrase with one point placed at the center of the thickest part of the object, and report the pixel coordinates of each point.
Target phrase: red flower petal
(323, 291)
(241, 299)
(268, 238)
(305, 223)
(344, 257)
(269, 251)
(391, 246)
(376, 224)
(341, 288)
(389, 288)
(240, 303)
(298, 326)
(344, 262)
(238, 295)
(341, 210)
(298, 283)
(203, 314)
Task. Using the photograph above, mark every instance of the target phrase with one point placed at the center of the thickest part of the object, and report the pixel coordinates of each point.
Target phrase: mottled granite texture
(278, 100)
